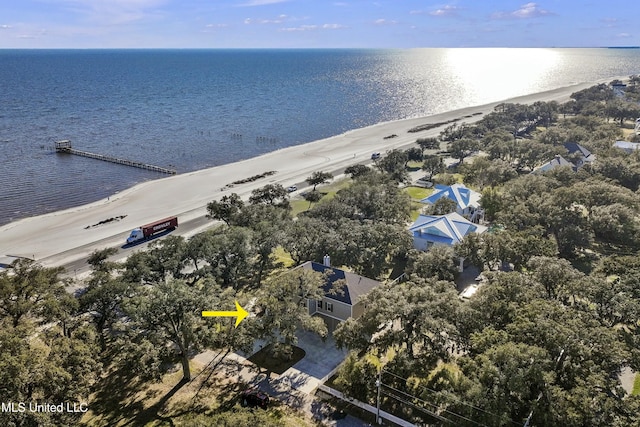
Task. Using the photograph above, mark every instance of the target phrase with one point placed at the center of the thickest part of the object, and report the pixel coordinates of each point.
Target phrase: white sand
(187, 195)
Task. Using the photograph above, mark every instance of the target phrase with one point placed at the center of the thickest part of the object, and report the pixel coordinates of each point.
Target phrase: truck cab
(136, 234)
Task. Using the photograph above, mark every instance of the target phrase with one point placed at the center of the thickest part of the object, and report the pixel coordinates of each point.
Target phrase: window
(319, 304)
(329, 306)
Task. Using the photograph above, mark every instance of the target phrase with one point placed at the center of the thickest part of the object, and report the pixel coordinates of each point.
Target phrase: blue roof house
(467, 200)
(430, 230)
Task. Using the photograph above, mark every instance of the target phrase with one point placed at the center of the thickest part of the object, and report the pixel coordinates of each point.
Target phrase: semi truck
(145, 231)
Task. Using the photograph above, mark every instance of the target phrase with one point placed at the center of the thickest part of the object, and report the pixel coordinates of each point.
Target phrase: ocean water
(193, 109)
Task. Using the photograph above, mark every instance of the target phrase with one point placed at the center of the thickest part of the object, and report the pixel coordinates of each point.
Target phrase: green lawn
(282, 256)
(416, 208)
(335, 186)
(299, 205)
(418, 193)
(414, 166)
(636, 386)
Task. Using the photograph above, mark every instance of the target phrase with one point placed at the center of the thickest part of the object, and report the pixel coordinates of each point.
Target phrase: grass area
(413, 166)
(626, 132)
(636, 386)
(335, 186)
(418, 193)
(129, 401)
(266, 359)
(283, 256)
(299, 205)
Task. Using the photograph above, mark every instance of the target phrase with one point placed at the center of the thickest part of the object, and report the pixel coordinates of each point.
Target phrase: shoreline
(186, 195)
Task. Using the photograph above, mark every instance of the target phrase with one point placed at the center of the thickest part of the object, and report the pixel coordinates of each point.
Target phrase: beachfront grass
(417, 194)
(299, 205)
(332, 188)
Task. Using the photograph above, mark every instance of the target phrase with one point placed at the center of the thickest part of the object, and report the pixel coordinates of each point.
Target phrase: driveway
(295, 386)
(467, 278)
(320, 360)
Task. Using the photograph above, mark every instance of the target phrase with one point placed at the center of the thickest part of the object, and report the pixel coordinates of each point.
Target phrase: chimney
(326, 260)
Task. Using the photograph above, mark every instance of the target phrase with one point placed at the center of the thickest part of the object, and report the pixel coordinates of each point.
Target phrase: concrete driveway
(320, 360)
(321, 357)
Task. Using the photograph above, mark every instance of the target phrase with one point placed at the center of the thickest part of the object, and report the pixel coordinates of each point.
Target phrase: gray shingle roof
(356, 285)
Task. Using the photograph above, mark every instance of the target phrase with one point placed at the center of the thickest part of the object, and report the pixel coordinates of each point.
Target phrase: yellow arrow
(239, 314)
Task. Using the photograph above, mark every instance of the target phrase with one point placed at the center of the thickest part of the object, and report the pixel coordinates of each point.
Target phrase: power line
(451, 395)
(413, 405)
(444, 410)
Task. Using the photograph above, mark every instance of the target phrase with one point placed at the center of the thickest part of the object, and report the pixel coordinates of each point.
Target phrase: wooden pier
(65, 147)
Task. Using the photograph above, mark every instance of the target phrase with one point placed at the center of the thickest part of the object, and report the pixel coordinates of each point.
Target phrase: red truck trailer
(148, 230)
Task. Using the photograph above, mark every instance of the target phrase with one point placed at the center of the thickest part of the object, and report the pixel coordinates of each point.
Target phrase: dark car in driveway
(254, 397)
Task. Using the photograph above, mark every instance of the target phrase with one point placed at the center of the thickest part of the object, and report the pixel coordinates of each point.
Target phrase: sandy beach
(186, 195)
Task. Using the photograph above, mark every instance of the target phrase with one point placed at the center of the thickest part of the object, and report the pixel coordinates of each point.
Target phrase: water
(185, 108)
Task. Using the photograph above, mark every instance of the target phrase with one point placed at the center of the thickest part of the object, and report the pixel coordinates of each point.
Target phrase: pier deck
(65, 147)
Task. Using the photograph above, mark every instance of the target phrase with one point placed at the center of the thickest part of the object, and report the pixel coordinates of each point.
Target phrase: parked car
(292, 188)
(254, 397)
(375, 156)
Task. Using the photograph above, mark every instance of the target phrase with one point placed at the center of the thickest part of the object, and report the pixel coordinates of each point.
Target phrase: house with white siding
(343, 293)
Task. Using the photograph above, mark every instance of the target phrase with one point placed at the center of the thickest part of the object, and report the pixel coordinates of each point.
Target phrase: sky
(317, 23)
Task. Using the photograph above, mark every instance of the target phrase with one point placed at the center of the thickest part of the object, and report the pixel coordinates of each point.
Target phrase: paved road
(75, 260)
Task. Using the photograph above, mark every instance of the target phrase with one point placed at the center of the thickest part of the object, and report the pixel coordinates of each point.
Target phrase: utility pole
(558, 360)
(379, 385)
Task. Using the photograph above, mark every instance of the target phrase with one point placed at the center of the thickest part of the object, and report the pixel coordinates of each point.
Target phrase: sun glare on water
(494, 74)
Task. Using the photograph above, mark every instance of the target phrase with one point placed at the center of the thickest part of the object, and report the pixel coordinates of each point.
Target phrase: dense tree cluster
(546, 336)
(47, 355)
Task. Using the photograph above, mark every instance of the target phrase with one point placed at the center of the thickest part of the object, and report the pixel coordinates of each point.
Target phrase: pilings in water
(65, 147)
